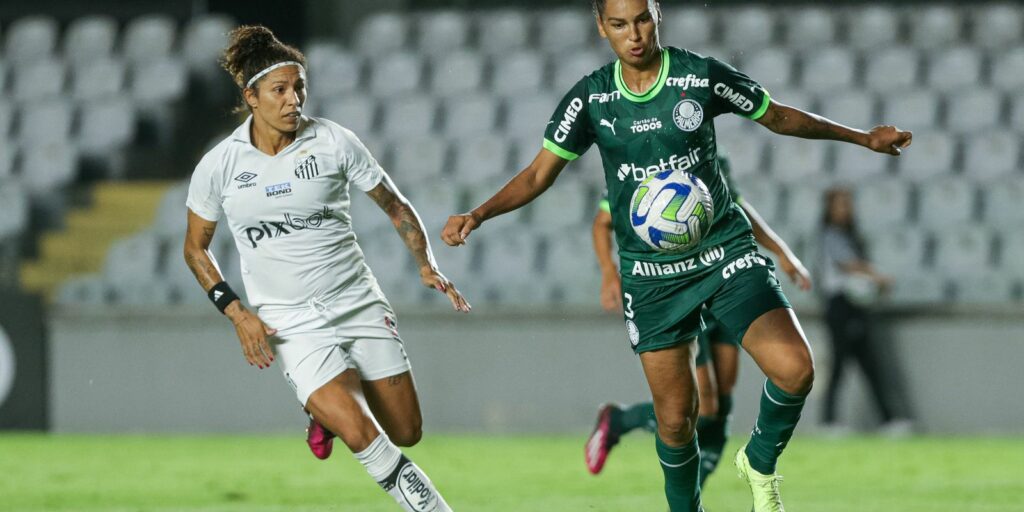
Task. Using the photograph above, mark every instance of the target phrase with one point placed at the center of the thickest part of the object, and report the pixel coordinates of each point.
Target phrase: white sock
(400, 478)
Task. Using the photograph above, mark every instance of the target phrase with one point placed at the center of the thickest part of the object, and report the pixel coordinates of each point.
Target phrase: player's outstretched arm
(611, 286)
(252, 332)
(410, 228)
(519, 191)
(786, 120)
(769, 239)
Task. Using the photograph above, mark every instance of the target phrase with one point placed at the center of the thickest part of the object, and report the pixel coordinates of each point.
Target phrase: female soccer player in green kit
(653, 110)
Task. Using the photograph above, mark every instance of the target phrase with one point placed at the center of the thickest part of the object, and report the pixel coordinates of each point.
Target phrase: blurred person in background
(653, 110)
(717, 358)
(852, 287)
(281, 181)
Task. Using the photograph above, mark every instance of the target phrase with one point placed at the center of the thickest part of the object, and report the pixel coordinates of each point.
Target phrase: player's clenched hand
(611, 292)
(888, 139)
(252, 334)
(433, 278)
(457, 230)
(796, 271)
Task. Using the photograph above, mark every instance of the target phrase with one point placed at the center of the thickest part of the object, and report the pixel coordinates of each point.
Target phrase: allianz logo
(640, 173)
(706, 258)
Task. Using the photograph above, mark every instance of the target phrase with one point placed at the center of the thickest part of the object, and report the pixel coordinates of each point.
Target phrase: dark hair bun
(253, 48)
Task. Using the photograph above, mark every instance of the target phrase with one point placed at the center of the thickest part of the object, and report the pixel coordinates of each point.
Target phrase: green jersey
(723, 164)
(671, 126)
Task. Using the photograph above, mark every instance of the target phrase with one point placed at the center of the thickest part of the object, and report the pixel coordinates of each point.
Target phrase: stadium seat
(415, 115)
(564, 31)
(357, 113)
(524, 150)
(481, 158)
(334, 73)
(132, 260)
(379, 147)
(8, 151)
(806, 27)
(917, 109)
(90, 38)
(105, 126)
(804, 205)
(965, 253)
(872, 27)
(204, 38)
(567, 204)
(528, 115)
(689, 26)
(889, 70)
(421, 159)
(855, 163)
(748, 27)
(16, 207)
(149, 37)
(765, 196)
(97, 79)
(1016, 114)
(749, 157)
(934, 26)
(518, 73)
(470, 115)
(1008, 70)
(158, 81)
(955, 69)
(895, 250)
(383, 33)
(31, 39)
(996, 25)
(435, 200)
(772, 67)
(88, 290)
(1012, 248)
(572, 273)
(881, 204)
(991, 153)
(852, 108)
(368, 219)
(918, 289)
(503, 31)
(572, 70)
(442, 31)
(39, 80)
(588, 168)
(793, 160)
(46, 122)
(396, 75)
(973, 110)
(3, 75)
(984, 287)
(829, 68)
(456, 74)
(933, 155)
(48, 167)
(1003, 200)
(6, 117)
(170, 221)
(510, 260)
(947, 202)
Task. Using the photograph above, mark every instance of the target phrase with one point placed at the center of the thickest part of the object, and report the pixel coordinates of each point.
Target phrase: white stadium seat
(16, 207)
(6, 117)
(881, 204)
(420, 159)
(896, 250)
(967, 251)
(1008, 69)
(749, 157)
(383, 33)
(804, 204)
(90, 38)
(481, 158)
(518, 73)
(917, 109)
(996, 25)
(528, 115)
(524, 150)
(8, 151)
(892, 69)
(852, 108)
(509, 260)
(170, 220)
(132, 260)
(30, 39)
(335, 74)
(855, 163)
(48, 167)
(991, 153)
(470, 115)
(414, 115)
(872, 27)
(39, 80)
(767, 197)
(149, 37)
(793, 160)
(947, 202)
(569, 71)
(105, 126)
(809, 27)
(954, 69)
(1017, 112)
(158, 81)
(984, 287)
(90, 290)
(46, 122)
(397, 74)
(688, 25)
(1003, 200)
(442, 31)
(933, 156)
(3, 75)
(933, 26)
(567, 204)
(204, 38)
(456, 74)
(748, 27)
(572, 272)
(357, 113)
(917, 289)
(829, 68)
(1012, 248)
(100, 78)
(435, 200)
(772, 67)
(503, 31)
(973, 110)
(564, 31)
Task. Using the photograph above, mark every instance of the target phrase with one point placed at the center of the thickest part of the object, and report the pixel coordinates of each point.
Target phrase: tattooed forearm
(786, 120)
(410, 230)
(202, 267)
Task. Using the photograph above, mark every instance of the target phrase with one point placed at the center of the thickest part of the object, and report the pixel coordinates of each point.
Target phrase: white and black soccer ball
(671, 211)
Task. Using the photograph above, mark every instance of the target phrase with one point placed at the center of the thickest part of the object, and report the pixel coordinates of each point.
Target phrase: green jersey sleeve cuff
(605, 206)
(554, 148)
(764, 107)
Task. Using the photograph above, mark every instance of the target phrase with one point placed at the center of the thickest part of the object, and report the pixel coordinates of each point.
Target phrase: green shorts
(663, 314)
(712, 334)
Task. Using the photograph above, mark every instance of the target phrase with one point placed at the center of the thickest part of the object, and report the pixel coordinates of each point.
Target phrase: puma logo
(611, 125)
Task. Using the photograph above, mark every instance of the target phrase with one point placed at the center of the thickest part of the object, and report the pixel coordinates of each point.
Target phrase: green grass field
(493, 474)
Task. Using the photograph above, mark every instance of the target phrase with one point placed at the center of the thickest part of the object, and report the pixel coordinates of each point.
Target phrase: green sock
(640, 415)
(713, 431)
(681, 467)
(779, 415)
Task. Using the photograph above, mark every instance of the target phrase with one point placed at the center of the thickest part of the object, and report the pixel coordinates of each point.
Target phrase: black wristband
(221, 295)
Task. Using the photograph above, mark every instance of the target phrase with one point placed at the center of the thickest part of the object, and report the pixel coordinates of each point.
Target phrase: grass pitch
(492, 474)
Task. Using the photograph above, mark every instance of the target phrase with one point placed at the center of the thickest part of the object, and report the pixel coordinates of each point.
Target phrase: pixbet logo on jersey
(277, 229)
(674, 162)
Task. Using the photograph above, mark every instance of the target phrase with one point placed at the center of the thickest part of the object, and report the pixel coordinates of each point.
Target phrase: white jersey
(288, 213)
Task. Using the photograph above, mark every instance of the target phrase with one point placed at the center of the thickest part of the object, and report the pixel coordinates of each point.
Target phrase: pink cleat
(319, 439)
(602, 439)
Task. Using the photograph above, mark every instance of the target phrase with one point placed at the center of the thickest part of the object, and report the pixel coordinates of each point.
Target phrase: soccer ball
(671, 211)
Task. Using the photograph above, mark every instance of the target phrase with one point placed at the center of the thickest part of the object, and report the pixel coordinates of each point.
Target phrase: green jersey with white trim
(723, 164)
(671, 126)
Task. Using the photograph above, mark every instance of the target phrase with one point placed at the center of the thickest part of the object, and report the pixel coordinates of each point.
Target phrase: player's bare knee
(675, 429)
(407, 436)
(798, 379)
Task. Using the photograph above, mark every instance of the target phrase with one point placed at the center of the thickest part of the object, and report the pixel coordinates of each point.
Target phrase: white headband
(259, 75)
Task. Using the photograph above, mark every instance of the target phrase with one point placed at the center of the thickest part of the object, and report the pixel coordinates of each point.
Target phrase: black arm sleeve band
(221, 295)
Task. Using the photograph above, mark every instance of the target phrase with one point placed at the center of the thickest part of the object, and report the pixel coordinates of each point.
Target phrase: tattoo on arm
(406, 221)
(787, 120)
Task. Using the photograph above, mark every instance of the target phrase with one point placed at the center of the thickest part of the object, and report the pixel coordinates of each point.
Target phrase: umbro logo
(245, 179)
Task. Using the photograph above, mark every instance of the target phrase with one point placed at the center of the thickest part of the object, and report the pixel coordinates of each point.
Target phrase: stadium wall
(180, 370)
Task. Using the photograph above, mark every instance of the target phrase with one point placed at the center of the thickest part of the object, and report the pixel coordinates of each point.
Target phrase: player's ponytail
(252, 49)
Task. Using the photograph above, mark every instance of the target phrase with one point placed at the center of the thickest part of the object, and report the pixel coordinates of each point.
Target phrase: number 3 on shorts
(629, 305)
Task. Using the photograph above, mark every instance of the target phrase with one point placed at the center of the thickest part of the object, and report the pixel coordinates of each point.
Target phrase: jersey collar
(307, 130)
(652, 91)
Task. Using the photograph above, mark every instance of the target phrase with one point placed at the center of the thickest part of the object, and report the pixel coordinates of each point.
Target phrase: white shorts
(317, 341)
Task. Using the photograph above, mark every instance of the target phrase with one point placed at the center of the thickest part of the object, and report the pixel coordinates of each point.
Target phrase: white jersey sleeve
(205, 191)
(356, 162)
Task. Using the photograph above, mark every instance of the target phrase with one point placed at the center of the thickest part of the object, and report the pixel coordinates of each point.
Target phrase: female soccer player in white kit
(281, 181)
